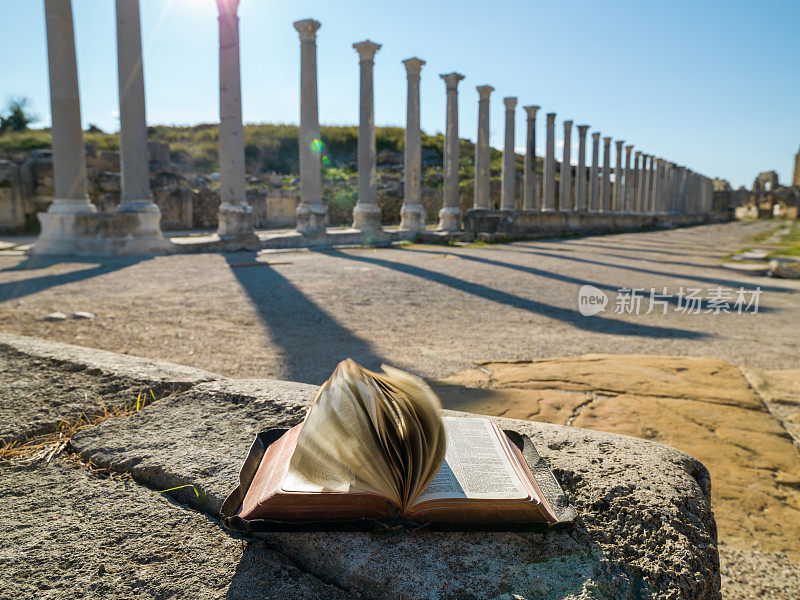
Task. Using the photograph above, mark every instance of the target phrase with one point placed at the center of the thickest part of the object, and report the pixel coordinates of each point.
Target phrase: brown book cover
(266, 500)
(375, 451)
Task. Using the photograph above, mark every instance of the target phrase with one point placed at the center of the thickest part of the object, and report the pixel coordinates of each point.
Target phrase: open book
(374, 446)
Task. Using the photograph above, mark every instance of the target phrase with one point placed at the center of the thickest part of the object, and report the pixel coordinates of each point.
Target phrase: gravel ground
(435, 310)
(70, 534)
(750, 574)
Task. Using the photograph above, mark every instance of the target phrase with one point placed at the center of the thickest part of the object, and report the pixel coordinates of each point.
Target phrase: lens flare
(317, 145)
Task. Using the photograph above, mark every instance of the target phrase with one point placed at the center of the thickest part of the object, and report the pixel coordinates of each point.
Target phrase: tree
(16, 116)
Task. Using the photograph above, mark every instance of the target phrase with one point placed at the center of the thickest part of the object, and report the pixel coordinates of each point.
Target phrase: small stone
(56, 316)
(753, 255)
(784, 270)
(79, 314)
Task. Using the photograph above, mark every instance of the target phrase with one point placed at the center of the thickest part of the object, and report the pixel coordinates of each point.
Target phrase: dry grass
(48, 445)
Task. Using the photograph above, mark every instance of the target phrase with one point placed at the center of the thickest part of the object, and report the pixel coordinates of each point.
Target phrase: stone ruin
(640, 190)
(187, 201)
(767, 199)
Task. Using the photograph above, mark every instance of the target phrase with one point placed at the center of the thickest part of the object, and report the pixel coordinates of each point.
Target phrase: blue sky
(713, 85)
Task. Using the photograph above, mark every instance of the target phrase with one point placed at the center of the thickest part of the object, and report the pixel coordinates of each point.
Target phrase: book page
(294, 481)
(475, 465)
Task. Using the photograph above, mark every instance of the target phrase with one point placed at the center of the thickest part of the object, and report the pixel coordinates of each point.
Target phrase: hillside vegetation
(268, 147)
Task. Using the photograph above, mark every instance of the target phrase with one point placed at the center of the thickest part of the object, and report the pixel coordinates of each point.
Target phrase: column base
(449, 219)
(367, 217)
(139, 205)
(100, 234)
(72, 205)
(235, 221)
(310, 219)
(412, 218)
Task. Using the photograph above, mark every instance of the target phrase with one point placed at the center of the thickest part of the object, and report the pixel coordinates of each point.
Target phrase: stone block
(645, 526)
(80, 535)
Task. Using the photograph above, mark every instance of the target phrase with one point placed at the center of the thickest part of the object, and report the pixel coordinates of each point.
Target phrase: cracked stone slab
(734, 419)
(45, 382)
(780, 391)
(69, 534)
(645, 526)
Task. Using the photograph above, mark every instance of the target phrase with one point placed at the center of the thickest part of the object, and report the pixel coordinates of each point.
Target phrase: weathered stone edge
(759, 387)
(104, 361)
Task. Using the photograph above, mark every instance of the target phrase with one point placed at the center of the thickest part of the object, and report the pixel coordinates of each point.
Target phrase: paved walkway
(434, 310)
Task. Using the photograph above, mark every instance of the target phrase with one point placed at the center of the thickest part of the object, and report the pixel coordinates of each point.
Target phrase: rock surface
(780, 391)
(645, 528)
(46, 383)
(71, 534)
(703, 406)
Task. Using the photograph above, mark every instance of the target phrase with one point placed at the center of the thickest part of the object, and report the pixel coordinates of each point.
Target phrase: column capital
(484, 91)
(366, 50)
(637, 153)
(307, 28)
(510, 102)
(596, 136)
(531, 110)
(582, 129)
(568, 124)
(413, 65)
(551, 118)
(629, 148)
(451, 80)
(607, 140)
(619, 143)
(228, 7)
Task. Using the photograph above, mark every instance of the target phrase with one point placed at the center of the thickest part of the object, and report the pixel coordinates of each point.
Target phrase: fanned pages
(373, 432)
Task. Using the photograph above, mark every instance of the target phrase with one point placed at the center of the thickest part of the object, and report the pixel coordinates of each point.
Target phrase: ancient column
(658, 186)
(636, 193)
(605, 204)
(134, 153)
(594, 174)
(482, 159)
(69, 160)
(529, 199)
(412, 214)
(565, 186)
(669, 187)
(549, 189)
(450, 215)
(617, 200)
(367, 214)
(644, 184)
(580, 183)
(509, 173)
(651, 186)
(627, 185)
(310, 211)
(235, 215)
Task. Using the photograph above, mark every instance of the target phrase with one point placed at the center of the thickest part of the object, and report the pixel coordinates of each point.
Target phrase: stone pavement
(645, 527)
(433, 310)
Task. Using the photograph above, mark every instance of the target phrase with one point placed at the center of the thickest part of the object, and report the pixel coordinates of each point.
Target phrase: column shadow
(708, 280)
(670, 298)
(18, 289)
(313, 341)
(597, 323)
